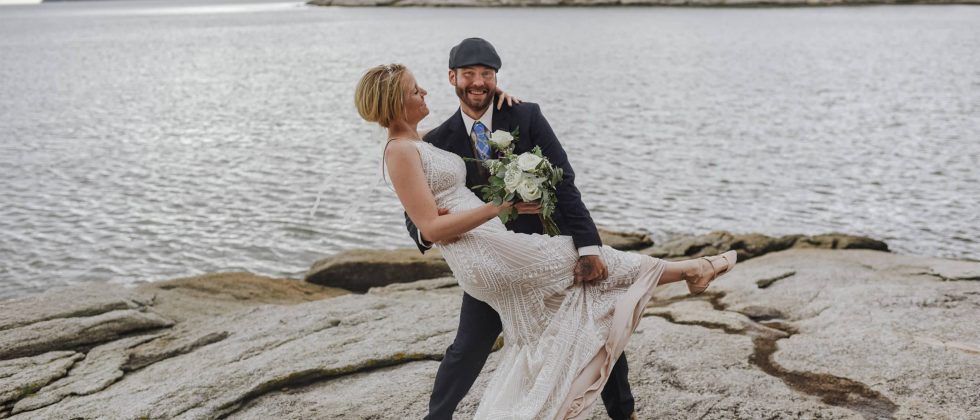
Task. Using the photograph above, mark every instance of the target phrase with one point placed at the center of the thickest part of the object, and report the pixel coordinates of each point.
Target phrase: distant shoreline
(630, 3)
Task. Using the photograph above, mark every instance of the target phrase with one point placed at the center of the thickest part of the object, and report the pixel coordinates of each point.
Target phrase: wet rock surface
(360, 270)
(756, 245)
(802, 333)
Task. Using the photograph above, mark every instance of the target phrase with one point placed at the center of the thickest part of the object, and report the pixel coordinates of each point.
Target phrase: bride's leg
(680, 270)
(696, 268)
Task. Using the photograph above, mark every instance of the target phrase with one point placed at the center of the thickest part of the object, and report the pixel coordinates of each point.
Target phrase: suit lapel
(458, 141)
(502, 121)
(501, 118)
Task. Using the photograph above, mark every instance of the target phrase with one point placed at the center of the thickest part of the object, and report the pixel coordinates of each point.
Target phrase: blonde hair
(379, 96)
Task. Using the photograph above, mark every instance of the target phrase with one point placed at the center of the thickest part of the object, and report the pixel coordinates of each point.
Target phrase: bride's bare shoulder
(401, 149)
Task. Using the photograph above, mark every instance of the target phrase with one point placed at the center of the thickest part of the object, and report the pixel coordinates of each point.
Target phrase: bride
(561, 339)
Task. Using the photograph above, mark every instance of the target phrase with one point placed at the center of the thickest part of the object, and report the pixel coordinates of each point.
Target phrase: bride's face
(415, 107)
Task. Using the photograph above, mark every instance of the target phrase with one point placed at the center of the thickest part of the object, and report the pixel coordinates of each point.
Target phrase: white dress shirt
(486, 119)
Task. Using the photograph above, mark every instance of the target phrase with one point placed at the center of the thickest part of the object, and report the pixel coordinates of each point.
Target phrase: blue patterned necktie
(482, 140)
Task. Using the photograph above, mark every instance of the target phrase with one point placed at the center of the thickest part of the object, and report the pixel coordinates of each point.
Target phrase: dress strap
(383, 152)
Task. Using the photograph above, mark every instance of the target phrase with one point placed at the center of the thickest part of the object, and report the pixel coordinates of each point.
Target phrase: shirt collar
(486, 119)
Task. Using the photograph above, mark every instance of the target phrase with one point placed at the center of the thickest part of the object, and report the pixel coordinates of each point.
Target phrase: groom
(473, 66)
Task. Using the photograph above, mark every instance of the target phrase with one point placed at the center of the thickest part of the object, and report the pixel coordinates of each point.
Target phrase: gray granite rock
(22, 377)
(867, 331)
(818, 341)
(100, 368)
(803, 333)
(69, 302)
(70, 333)
(399, 391)
(215, 294)
(269, 347)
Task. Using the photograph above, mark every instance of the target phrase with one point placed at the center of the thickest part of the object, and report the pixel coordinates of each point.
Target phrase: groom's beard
(475, 105)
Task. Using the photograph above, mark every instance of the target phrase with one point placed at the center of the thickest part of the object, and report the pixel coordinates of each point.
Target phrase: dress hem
(628, 310)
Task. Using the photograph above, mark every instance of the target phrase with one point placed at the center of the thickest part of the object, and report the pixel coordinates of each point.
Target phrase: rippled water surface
(142, 141)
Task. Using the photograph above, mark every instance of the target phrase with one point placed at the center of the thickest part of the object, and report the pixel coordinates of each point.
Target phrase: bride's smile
(415, 107)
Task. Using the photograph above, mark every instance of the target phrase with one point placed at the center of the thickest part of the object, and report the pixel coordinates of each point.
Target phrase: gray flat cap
(474, 51)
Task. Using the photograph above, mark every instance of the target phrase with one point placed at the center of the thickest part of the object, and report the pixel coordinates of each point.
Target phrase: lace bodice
(445, 173)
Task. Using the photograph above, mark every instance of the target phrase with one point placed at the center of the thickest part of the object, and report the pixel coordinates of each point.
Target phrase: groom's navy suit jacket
(570, 214)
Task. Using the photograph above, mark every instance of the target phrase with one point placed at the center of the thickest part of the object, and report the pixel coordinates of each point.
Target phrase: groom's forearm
(416, 235)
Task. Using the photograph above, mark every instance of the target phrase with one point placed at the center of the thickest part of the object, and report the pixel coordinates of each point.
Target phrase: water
(142, 141)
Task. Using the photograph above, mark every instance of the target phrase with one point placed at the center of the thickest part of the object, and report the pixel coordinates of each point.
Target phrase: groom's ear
(452, 77)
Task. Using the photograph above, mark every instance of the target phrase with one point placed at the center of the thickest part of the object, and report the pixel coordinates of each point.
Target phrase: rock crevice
(784, 335)
(832, 390)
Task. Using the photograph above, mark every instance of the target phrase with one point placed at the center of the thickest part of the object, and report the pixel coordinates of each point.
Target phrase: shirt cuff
(425, 244)
(589, 250)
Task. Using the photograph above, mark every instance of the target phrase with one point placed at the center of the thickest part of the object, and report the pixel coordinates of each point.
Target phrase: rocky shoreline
(827, 326)
(604, 3)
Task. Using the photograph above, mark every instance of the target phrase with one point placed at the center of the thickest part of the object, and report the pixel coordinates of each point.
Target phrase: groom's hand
(441, 212)
(589, 269)
(528, 207)
(503, 96)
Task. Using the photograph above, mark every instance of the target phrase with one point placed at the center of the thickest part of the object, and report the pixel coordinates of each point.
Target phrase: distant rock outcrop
(586, 3)
(802, 333)
(625, 241)
(360, 270)
(754, 245)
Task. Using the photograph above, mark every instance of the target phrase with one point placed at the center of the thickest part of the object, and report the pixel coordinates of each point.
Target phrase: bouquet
(528, 176)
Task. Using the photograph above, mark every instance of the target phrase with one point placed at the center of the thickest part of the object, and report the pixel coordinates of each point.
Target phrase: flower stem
(549, 226)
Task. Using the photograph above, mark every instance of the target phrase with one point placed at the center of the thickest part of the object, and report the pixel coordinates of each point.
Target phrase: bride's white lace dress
(560, 340)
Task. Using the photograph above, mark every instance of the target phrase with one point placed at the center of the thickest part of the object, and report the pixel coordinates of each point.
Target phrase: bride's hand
(500, 209)
(443, 212)
(503, 96)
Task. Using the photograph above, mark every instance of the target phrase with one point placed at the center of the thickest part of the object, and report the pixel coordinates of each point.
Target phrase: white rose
(528, 161)
(513, 178)
(529, 190)
(501, 138)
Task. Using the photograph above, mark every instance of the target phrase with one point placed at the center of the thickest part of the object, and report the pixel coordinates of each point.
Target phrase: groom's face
(474, 85)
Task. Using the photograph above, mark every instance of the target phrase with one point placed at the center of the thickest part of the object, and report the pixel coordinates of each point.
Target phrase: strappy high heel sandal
(700, 283)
